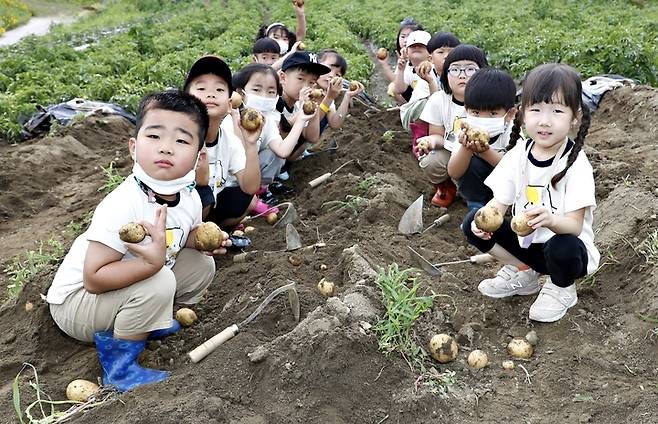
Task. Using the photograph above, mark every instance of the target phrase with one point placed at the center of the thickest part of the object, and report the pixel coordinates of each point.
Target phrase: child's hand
(477, 147)
(424, 70)
(539, 216)
(202, 175)
(298, 6)
(250, 138)
(334, 87)
(352, 93)
(304, 94)
(424, 145)
(154, 253)
(294, 48)
(226, 243)
(484, 235)
(402, 62)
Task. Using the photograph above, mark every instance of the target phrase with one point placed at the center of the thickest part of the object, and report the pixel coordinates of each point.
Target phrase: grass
(112, 178)
(649, 248)
(24, 267)
(12, 14)
(365, 184)
(351, 203)
(76, 228)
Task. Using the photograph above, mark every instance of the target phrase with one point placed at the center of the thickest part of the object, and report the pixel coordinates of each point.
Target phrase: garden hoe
(435, 271)
(412, 219)
(229, 332)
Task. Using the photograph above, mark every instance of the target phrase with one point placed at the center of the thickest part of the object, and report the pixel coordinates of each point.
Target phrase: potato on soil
(382, 53)
(316, 95)
(477, 135)
(29, 307)
(508, 365)
(309, 107)
(132, 232)
(271, 218)
(186, 317)
(520, 348)
(238, 233)
(478, 359)
(236, 100)
(327, 288)
(249, 230)
(424, 67)
(443, 348)
(251, 119)
(208, 237)
(520, 225)
(295, 260)
(80, 390)
(488, 219)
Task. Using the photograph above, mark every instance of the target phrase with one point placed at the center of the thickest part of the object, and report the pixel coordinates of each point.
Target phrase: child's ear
(131, 147)
(282, 77)
(254, 59)
(510, 115)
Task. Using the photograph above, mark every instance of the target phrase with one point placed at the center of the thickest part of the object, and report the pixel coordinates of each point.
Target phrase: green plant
(21, 270)
(440, 384)
(77, 227)
(366, 183)
(112, 178)
(351, 203)
(649, 248)
(403, 307)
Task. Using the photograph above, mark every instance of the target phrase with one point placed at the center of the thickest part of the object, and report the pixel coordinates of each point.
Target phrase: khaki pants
(435, 165)
(141, 307)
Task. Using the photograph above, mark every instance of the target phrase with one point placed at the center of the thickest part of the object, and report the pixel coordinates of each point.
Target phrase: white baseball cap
(418, 37)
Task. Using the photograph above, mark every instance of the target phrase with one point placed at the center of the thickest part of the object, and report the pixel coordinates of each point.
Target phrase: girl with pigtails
(549, 183)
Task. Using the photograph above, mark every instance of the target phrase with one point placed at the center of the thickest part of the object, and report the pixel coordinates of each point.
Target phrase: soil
(597, 364)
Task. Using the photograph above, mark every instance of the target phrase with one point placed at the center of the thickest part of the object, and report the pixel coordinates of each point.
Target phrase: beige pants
(435, 165)
(141, 307)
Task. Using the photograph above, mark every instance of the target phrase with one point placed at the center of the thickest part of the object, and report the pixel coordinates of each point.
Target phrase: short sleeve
(502, 180)
(579, 189)
(432, 110)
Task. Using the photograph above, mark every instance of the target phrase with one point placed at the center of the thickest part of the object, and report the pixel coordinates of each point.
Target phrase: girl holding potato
(549, 183)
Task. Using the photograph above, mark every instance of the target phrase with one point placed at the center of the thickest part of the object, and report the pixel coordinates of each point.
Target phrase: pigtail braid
(577, 143)
(515, 134)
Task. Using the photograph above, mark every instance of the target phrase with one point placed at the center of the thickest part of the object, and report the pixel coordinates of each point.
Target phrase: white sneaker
(509, 282)
(284, 176)
(553, 302)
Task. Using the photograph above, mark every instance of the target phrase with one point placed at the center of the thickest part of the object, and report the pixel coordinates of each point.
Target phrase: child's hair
(490, 89)
(462, 52)
(340, 60)
(242, 77)
(176, 101)
(266, 45)
(542, 85)
(265, 31)
(407, 22)
(442, 39)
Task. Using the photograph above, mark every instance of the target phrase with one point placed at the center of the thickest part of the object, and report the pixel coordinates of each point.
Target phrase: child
(489, 102)
(281, 34)
(267, 51)
(259, 86)
(209, 79)
(549, 179)
(407, 26)
(443, 112)
(119, 294)
(439, 46)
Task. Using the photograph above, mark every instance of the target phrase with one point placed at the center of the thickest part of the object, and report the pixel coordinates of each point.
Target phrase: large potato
(186, 317)
(132, 232)
(443, 348)
(80, 390)
(520, 225)
(251, 120)
(208, 237)
(382, 53)
(478, 359)
(520, 348)
(488, 218)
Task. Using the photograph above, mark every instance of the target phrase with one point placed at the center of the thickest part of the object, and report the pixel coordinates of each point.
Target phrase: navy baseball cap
(210, 65)
(303, 61)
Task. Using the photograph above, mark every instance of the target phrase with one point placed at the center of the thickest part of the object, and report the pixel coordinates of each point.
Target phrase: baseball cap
(303, 61)
(418, 37)
(210, 65)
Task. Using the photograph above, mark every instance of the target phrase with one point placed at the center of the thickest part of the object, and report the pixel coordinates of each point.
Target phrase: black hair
(340, 60)
(462, 52)
(406, 23)
(176, 101)
(541, 85)
(442, 39)
(266, 45)
(490, 89)
(242, 77)
(263, 33)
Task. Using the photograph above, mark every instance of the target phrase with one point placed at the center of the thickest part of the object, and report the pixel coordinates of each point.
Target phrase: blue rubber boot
(165, 332)
(118, 358)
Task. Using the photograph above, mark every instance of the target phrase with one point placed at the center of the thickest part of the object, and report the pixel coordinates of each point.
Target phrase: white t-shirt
(420, 87)
(442, 110)
(574, 191)
(225, 157)
(127, 203)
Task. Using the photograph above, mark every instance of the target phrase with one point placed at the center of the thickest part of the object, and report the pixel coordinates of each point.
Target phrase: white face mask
(283, 45)
(494, 126)
(164, 187)
(261, 103)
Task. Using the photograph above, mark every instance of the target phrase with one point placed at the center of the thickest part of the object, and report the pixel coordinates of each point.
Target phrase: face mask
(494, 126)
(261, 103)
(164, 187)
(283, 45)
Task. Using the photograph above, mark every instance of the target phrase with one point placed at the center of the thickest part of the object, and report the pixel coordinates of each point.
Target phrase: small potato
(382, 53)
(479, 136)
(132, 232)
(309, 107)
(354, 85)
(478, 359)
(301, 46)
(336, 80)
(249, 230)
(298, 3)
(271, 218)
(29, 307)
(251, 120)
(520, 225)
(236, 100)
(295, 260)
(508, 365)
(80, 390)
(186, 317)
(424, 144)
(520, 348)
(238, 233)
(327, 288)
(443, 348)
(424, 67)
(316, 95)
(488, 219)
(208, 237)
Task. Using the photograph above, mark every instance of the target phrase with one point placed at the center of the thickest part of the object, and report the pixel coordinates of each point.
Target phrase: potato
(301, 46)
(316, 95)
(520, 225)
(336, 80)
(424, 144)
(424, 67)
(238, 233)
(478, 359)
(477, 135)
(327, 288)
(354, 85)
(236, 100)
(29, 307)
(309, 107)
(208, 237)
(271, 218)
(295, 260)
(508, 365)
(132, 232)
(186, 317)
(520, 348)
(298, 3)
(382, 53)
(443, 348)
(249, 230)
(488, 219)
(80, 390)
(251, 120)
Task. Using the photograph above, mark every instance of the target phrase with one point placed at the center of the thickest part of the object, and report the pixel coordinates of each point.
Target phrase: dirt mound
(595, 365)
